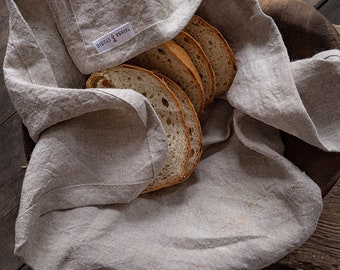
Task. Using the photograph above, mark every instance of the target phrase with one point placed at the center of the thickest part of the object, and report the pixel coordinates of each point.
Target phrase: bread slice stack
(191, 118)
(167, 107)
(171, 60)
(217, 50)
(179, 78)
(201, 62)
(199, 59)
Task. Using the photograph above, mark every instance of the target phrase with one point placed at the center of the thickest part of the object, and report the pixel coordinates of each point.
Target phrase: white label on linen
(114, 38)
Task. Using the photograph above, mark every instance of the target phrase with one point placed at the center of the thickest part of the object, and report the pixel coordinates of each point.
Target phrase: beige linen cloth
(245, 207)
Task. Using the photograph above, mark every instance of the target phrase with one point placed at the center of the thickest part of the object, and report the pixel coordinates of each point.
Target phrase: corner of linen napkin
(103, 34)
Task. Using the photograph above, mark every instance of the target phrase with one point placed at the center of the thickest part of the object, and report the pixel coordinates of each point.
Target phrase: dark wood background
(13, 162)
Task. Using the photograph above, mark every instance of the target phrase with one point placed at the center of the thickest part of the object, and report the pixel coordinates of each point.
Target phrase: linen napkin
(245, 207)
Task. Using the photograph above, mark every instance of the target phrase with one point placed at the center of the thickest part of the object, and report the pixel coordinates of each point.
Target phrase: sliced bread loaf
(217, 49)
(202, 63)
(171, 60)
(167, 108)
(192, 121)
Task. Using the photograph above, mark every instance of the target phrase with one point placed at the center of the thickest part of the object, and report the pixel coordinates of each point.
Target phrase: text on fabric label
(114, 38)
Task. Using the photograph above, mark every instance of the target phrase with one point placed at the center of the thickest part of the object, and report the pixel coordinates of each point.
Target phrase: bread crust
(214, 33)
(177, 53)
(100, 79)
(202, 63)
(192, 121)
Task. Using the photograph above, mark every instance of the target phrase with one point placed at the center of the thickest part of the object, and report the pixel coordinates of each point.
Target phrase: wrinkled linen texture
(245, 206)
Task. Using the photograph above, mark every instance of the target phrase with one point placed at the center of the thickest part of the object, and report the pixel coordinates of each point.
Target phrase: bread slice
(167, 108)
(192, 121)
(217, 49)
(202, 63)
(171, 60)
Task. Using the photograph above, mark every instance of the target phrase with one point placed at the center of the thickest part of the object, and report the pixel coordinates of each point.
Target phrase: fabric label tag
(114, 38)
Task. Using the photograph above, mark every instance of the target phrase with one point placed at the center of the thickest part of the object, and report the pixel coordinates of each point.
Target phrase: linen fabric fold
(106, 33)
(244, 207)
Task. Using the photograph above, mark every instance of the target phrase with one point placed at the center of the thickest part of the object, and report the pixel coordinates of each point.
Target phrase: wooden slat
(6, 107)
(11, 176)
(3, 25)
(277, 266)
(10, 195)
(315, 3)
(12, 155)
(3, 10)
(25, 267)
(7, 260)
(337, 26)
(331, 9)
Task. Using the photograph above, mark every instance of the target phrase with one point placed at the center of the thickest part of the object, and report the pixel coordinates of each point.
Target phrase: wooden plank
(337, 27)
(315, 3)
(3, 28)
(11, 176)
(25, 267)
(10, 195)
(7, 260)
(11, 155)
(6, 107)
(3, 10)
(331, 10)
(277, 266)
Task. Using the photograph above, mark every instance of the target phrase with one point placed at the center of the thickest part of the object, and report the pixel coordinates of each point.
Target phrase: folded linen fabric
(245, 206)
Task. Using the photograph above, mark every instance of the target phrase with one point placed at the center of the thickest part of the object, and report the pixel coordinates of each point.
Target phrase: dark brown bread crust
(225, 78)
(202, 63)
